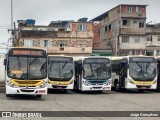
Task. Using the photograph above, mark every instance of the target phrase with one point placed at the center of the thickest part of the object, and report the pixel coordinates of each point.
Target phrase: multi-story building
(153, 39)
(59, 37)
(123, 29)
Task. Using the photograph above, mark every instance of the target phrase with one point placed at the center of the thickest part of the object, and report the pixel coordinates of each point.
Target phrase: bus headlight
(11, 84)
(108, 82)
(71, 82)
(86, 83)
(131, 81)
(43, 85)
(154, 82)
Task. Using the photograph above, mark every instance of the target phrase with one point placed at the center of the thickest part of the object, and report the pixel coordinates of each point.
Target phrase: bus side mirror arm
(5, 61)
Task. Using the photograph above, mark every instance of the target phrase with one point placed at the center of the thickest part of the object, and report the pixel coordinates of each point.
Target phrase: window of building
(28, 43)
(109, 27)
(136, 39)
(158, 38)
(106, 28)
(82, 27)
(129, 8)
(81, 43)
(141, 24)
(125, 39)
(46, 43)
(149, 38)
(62, 43)
(138, 9)
(158, 52)
(126, 23)
(134, 22)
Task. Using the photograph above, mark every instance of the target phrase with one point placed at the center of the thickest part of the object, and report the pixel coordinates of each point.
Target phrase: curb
(2, 84)
(2, 89)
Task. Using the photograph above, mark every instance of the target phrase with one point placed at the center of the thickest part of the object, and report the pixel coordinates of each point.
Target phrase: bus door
(78, 74)
(122, 74)
(158, 74)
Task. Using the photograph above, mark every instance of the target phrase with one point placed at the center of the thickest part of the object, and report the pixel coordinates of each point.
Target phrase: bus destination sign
(27, 52)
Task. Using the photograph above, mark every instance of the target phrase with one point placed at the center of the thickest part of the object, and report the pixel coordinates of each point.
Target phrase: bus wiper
(64, 65)
(51, 67)
(33, 61)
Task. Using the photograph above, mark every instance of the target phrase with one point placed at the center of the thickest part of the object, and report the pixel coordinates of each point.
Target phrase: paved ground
(88, 101)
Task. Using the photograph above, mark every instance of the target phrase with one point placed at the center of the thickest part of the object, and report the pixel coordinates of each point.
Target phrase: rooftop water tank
(83, 20)
(30, 22)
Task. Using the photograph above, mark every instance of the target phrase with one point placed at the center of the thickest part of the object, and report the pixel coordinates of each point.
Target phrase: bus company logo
(6, 114)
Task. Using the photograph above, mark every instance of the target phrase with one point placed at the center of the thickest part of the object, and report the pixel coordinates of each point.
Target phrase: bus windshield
(142, 70)
(32, 68)
(61, 69)
(97, 70)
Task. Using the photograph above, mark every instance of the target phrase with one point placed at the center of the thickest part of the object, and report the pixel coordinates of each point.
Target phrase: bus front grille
(27, 90)
(97, 87)
(140, 86)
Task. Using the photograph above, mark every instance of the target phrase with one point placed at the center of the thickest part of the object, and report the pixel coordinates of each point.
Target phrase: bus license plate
(59, 87)
(143, 87)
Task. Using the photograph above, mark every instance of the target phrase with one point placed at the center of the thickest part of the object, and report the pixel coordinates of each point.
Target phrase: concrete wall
(132, 44)
(2, 71)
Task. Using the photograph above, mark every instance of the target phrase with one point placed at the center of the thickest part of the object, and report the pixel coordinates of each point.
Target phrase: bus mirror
(125, 75)
(5, 61)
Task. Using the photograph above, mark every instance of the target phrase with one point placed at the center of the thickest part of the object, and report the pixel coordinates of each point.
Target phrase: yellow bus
(26, 71)
(134, 72)
(60, 72)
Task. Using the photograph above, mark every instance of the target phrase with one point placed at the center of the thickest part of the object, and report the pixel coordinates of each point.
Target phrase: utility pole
(12, 26)
(11, 15)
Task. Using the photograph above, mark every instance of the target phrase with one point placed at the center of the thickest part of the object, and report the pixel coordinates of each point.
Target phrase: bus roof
(27, 48)
(83, 57)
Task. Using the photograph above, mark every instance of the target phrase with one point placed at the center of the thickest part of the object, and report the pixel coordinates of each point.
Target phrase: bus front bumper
(137, 86)
(26, 91)
(60, 86)
(96, 88)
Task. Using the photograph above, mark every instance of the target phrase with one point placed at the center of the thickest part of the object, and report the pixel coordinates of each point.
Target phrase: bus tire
(39, 96)
(8, 95)
(116, 86)
(140, 90)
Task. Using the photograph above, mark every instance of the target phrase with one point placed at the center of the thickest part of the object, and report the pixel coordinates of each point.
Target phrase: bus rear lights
(42, 91)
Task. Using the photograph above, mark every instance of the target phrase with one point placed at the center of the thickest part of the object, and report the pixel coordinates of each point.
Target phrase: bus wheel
(39, 96)
(8, 95)
(116, 86)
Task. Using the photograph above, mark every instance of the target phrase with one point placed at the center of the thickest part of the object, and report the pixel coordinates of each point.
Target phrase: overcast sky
(45, 11)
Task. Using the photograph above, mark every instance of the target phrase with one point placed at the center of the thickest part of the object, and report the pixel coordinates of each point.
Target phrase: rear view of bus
(93, 74)
(60, 72)
(26, 72)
